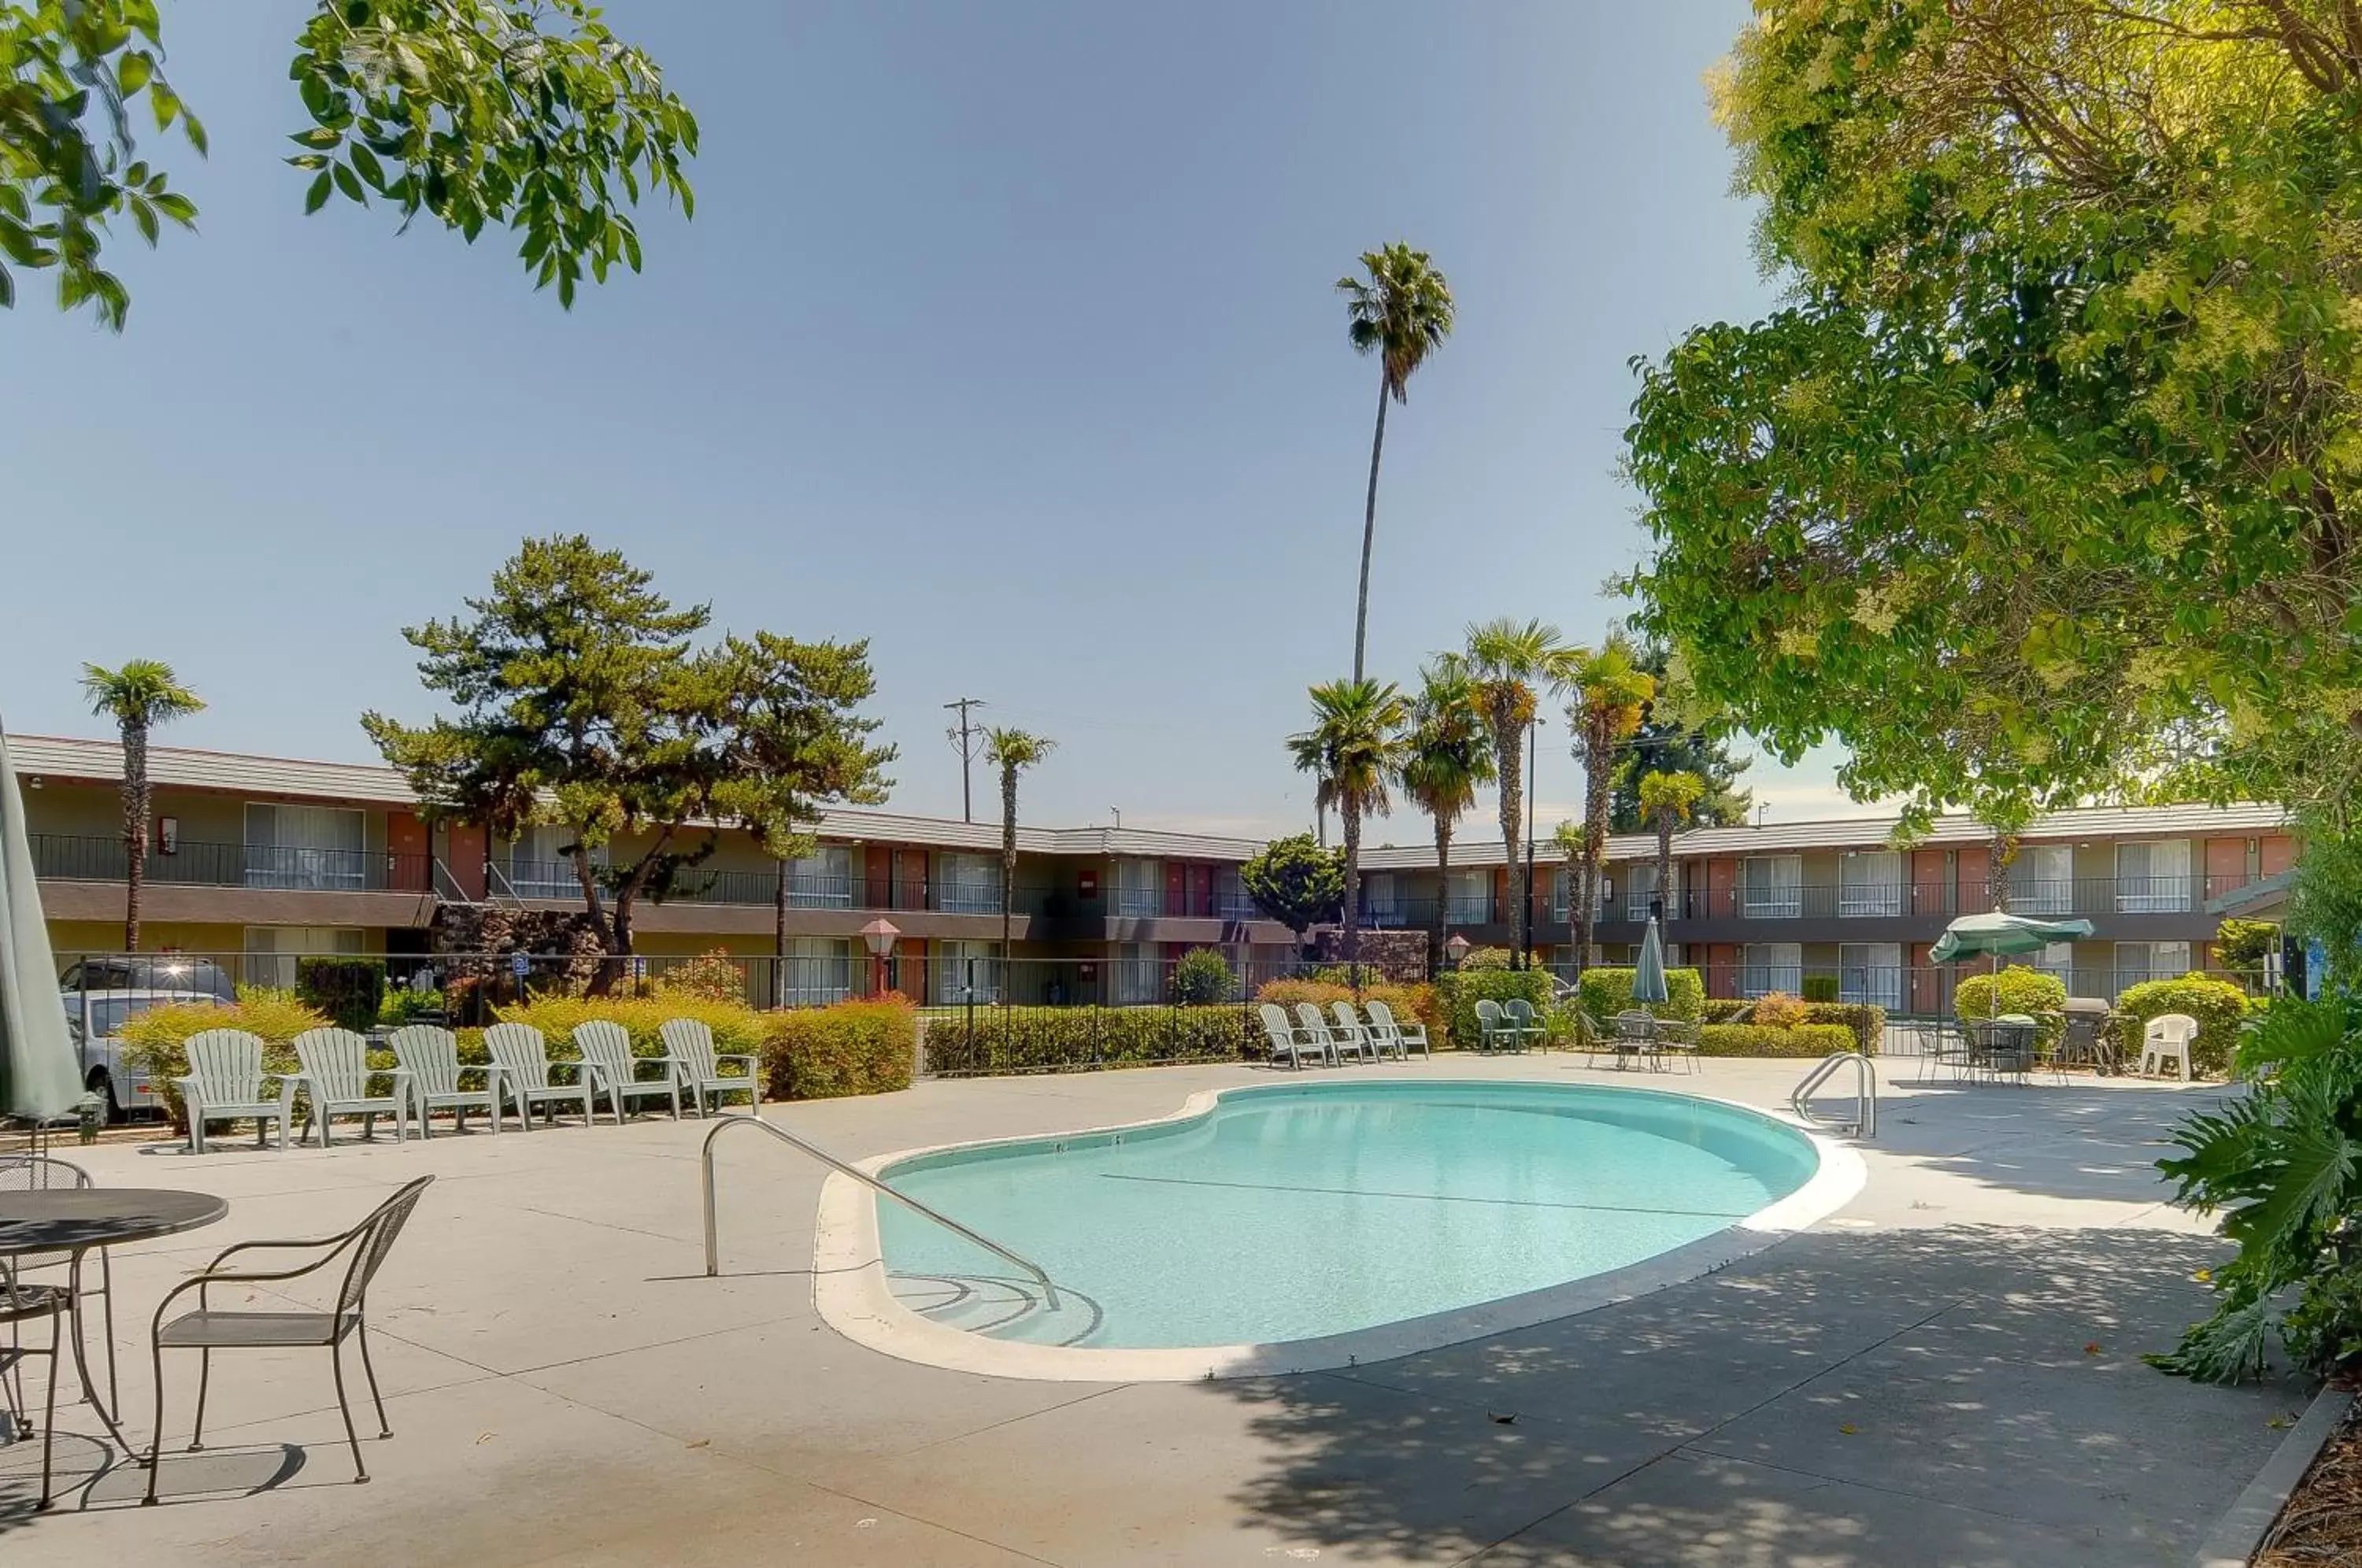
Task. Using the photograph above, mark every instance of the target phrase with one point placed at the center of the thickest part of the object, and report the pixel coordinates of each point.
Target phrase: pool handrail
(714, 1233)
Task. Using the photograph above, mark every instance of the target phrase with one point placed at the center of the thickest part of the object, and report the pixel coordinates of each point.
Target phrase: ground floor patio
(1947, 1372)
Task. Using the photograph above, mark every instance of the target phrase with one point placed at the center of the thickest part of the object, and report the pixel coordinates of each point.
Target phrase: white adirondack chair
(1401, 1036)
(336, 1072)
(606, 1050)
(430, 1054)
(523, 1057)
(1288, 1041)
(224, 1083)
(700, 1069)
(1349, 1027)
(1309, 1019)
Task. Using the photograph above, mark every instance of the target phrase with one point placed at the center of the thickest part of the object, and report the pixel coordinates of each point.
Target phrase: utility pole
(960, 738)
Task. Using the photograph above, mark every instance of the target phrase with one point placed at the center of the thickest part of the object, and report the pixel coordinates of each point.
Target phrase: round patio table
(74, 1219)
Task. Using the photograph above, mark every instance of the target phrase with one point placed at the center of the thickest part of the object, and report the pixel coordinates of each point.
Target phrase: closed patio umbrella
(1992, 935)
(1648, 971)
(41, 1074)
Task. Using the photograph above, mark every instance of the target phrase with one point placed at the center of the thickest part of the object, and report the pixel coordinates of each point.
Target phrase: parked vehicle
(100, 994)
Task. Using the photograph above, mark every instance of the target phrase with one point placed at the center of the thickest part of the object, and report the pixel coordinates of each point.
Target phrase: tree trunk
(779, 939)
(1997, 864)
(1439, 930)
(1370, 525)
(1596, 767)
(1665, 868)
(135, 828)
(1510, 758)
(1008, 870)
(1349, 812)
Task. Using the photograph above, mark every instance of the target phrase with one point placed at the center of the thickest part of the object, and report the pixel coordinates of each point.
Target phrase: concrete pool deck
(1946, 1372)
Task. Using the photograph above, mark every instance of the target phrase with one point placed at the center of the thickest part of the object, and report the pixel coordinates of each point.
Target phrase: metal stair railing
(714, 1233)
(1865, 1098)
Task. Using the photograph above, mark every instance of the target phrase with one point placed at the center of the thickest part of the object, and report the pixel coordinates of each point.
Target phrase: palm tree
(1447, 754)
(142, 694)
(1012, 751)
(1611, 694)
(1506, 662)
(1402, 312)
(1356, 740)
(1666, 802)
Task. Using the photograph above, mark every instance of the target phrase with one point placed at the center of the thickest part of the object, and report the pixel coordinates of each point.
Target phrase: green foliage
(1866, 1023)
(1510, 666)
(1668, 742)
(2242, 945)
(1820, 987)
(1203, 979)
(1296, 882)
(1458, 993)
(849, 1048)
(1778, 1010)
(1479, 958)
(798, 739)
(1061, 1039)
(1604, 993)
(1402, 312)
(350, 991)
(713, 977)
(2219, 1006)
(2285, 1162)
(1419, 1003)
(2326, 902)
(402, 1005)
(1353, 751)
(143, 693)
(156, 1041)
(737, 1028)
(1759, 1040)
(2016, 989)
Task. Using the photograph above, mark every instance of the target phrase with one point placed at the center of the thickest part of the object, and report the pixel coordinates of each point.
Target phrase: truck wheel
(102, 1084)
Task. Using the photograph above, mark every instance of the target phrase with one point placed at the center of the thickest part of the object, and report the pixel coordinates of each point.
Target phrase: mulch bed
(2322, 1522)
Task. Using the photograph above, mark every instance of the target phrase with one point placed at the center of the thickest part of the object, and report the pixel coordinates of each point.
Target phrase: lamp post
(879, 936)
(1455, 950)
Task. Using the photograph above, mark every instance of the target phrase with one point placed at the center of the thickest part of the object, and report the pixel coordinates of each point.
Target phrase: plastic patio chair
(338, 1075)
(1489, 1025)
(2168, 1037)
(1349, 1026)
(1523, 1025)
(1288, 1040)
(522, 1056)
(606, 1049)
(1314, 1022)
(224, 1083)
(430, 1054)
(690, 1041)
(1402, 1036)
(206, 1330)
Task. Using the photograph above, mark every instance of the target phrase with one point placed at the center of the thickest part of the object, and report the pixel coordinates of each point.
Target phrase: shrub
(348, 990)
(1820, 987)
(1051, 1039)
(2219, 1006)
(1758, 1040)
(1777, 1009)
(2020, 989)
(1487, 959)
(1606, 992)
(1865, 1022)
(1725, 1009)
(403, 1005)
(156, 1041)
(1458, 993)
(1203, 979)
(852, 1048)
(713, 977)
(1408, 1002)
(737, 1028)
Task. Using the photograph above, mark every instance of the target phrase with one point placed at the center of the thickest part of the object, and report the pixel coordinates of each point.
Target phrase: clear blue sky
(1004, 336)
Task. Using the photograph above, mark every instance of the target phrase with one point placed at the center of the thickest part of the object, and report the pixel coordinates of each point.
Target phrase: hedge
(2218, 1005)
(348, 990)
(2021, 990)
(1606, 992)
(737, 1028)
(1865, 1022)
(156, 1041)
(1406, 1002)
(1458, 993)
(852, 1048)
(1757, 1040)
(1050, 1039)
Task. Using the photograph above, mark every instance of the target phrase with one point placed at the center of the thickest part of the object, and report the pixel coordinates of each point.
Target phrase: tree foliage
(528, 114)
(1354, 751)
(1296, 882)
(1609, 694)
(1012, 751)
(2042, 480)
(1669, 741)
(1447, 753)
(143, 693)
(1510, 666)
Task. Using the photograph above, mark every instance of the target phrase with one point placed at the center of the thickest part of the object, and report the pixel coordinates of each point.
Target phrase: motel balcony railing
(281, 868)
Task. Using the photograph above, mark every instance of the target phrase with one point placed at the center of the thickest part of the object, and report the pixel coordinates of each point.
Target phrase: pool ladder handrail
(713, 1227)
(1865, 1095)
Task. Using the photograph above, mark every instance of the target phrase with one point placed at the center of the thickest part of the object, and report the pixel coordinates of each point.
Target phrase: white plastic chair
(430, 1054)
(1402, 1036)
(224, 1083)
(699, 1068)
(2169, 1036)
(1310, 1019)
(1349, 1026)
(523, 1057)
(336, 1072)
(1288, 1041)
(606, 1048)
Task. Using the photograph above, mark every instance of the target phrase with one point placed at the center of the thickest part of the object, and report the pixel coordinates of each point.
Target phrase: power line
(960, 738)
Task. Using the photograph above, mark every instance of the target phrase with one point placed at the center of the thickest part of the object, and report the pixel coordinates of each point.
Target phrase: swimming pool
(1274, 1216)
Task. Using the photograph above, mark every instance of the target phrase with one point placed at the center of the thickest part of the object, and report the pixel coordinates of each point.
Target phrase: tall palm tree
(1012, 751)
(1610, 697)
(1510, 664)
(141, 695)
(1447, 754)
(1666, 802)
(1356, 738)
(1402, 312)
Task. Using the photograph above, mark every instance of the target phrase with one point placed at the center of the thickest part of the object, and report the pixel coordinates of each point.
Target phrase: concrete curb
(2242, 1529)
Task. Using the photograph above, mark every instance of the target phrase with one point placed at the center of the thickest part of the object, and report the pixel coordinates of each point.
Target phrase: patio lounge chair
(1490, 1029)
(1401, 1036)
(1311, 1019)
(336, 1072)
(523, 1057)
(2168, 1037)
(695, 1058)
(1519, 1014)
(1286, 1040)
(1366, 1040)
(430, 1054)
(615, 1072)
(224, 1083)
(207, 1329)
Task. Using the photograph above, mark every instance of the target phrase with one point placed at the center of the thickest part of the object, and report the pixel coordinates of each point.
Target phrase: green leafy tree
(1296, 882)
(1401, 312)
(1203, 979)
(1356, 746)
(1510, 666)
(1012, 751)
(1447, 754)
(1667, 741)
(2241, 946)
(525, 115)
(1609, 694)
(140, 695)
(800, 743)
(1668, 802)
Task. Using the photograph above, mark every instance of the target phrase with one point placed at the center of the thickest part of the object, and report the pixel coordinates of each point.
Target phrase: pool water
(1292, 1212)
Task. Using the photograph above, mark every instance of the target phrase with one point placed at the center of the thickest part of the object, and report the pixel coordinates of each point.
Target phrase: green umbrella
(40, 1073)
(1980, 935)
(1648, 972)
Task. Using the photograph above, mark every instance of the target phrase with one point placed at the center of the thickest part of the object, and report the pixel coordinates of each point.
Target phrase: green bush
(738, 1029)
(402, 1005)
(1203, 979)
(1756, 1039)
(852, 1048)
(1054, 1038)
(1725, 1009)
(1820, 987)
(156, 1041)
(1409, 1003)
(2219, 1006)
(347, 990)
(1606, 992)
(2020, 989)
(1866, 1023)
(1487, 959)
(1458, 993)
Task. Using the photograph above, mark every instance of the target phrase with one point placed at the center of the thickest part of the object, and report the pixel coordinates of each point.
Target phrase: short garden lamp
(1456, 949)
(879, 936)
